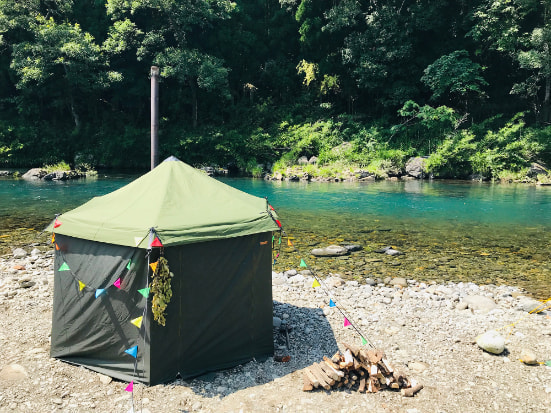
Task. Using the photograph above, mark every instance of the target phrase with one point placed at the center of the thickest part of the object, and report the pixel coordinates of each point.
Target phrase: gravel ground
(427, 330)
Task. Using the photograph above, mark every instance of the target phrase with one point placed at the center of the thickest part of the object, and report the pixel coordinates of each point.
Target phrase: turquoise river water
(448, 231)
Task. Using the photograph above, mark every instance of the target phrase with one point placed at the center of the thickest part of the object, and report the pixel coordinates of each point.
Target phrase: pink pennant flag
(130, 387)
(117, 283)
(346, 322)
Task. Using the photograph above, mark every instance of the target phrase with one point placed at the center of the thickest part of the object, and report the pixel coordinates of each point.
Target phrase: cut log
(373, 370)
(329, 372)
(411, 391)
(374, 356)
(333, 366)
(336, 357)
(311, 378)
(325, 381)
(307, 384)
(387, 365)
(353, 349)
(361, 387)
(348, 360)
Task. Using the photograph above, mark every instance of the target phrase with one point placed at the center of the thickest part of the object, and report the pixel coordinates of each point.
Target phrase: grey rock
(528, 304)
(26, 284)
(34, 173)
(303, 160)
(353, 247)
(392, 251)
(19, 253)
(330, 251)
(416, 167)
(105, 379)
(491, 341)
(399, 281)
(313, 160)
(290, 273)
(417, 366)
(334, 282)
(382, 250)
(277, 322)
(480, 302)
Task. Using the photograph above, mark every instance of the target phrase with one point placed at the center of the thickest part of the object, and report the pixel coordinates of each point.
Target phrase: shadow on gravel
(310, 337)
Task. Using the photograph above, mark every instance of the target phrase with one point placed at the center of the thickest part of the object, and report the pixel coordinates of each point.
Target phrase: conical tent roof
(181, 203)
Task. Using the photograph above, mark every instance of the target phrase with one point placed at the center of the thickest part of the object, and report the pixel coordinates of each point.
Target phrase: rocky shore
(429, 330)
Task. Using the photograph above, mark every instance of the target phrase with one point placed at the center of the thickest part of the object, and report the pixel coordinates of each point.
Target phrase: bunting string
(318, 282)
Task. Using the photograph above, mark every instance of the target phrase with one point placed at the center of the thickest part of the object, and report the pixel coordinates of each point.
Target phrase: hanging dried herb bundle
(161, 290)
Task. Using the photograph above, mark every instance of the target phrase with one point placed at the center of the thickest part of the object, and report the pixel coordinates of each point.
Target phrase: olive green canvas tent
(217, 242)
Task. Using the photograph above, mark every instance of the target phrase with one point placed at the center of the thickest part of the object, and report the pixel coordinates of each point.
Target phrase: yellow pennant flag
(81, 285)
(289, 243)
(53, 238)
(316, 284)
(153, 265)
(137, 321)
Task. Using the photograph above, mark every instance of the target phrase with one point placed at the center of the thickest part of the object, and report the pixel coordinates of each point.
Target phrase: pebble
(528, 357)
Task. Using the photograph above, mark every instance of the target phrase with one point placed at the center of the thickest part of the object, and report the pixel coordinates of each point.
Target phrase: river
(448, 231)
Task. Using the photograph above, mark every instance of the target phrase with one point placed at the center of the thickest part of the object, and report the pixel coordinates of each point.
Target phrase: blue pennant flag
(331, 303)
(133, 351)
(99, 292)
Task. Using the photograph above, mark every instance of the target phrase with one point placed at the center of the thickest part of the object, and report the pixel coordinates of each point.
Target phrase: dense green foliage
(251, 82)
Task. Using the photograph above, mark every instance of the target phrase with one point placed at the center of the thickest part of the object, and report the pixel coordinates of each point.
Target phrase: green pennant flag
(279, 240)
(302, 263)
(273, 238)
(144, 292)
(364, 341)
(128, 266)
(64, 267)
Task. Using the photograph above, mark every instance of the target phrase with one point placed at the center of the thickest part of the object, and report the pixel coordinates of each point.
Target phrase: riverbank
(428, 330)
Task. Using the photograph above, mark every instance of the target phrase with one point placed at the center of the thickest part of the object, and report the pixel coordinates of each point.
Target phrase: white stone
(491, 341)
(480, 302)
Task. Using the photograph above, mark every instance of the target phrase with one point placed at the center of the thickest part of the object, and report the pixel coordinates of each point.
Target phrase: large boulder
(34, 173)
(416, 166)
(536, 169)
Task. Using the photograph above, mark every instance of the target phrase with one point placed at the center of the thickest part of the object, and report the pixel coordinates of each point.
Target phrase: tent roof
(181, 203)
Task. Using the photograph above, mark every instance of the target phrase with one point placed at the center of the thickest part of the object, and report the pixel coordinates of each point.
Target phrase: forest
(249, 84)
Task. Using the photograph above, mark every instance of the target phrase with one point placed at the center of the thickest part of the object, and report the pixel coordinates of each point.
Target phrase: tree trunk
(194, 103)
(546, 108)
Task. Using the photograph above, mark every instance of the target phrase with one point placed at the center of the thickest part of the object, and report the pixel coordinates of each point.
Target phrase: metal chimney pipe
(154, 116)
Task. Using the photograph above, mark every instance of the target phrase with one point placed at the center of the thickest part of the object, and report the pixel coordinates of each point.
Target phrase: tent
(217, 242)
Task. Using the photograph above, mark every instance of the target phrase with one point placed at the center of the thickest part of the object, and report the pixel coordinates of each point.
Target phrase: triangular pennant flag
(130, 387)
(117, 283)
(144, 292)
(129, 265)
(289, 243)
(279, 242)
(153, 266)
(99, 292)
(57, 247)
(137, 321)
(53, 238)
(364, 341)
(273, 238)
(137, 241)
(81, 285)
(156, 242)
(57, 223)
(133, 351)
(346, 322)
(316, 284)
(64, 267)
(548, 363)
(332, 303)
(302, 263)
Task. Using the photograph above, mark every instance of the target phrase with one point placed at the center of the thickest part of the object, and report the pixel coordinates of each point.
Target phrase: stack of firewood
(360, 369)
